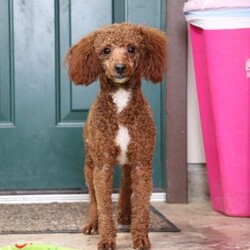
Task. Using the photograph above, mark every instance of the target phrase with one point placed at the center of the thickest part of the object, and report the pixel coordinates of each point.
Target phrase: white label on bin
(248, 67)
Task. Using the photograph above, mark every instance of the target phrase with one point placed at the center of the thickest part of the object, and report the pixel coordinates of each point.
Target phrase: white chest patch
(122, 140)
(121, 98)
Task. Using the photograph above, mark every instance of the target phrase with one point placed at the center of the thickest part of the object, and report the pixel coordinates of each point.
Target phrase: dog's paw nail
(142, 244)
(106, 245)
(90, 229)
(142, 248)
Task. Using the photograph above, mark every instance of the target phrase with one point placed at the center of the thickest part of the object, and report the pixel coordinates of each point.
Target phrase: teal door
(41, 112)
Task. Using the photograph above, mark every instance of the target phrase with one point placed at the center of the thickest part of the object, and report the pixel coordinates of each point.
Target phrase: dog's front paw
(91, 228)
(106, 244)
(142, 243)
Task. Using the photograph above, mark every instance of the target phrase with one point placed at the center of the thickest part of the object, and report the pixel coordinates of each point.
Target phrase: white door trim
(61, 198)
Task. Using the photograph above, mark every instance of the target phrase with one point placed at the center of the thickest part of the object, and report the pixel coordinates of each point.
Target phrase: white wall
(195, 143)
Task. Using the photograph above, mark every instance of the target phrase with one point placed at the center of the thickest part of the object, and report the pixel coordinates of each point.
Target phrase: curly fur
(120, 127)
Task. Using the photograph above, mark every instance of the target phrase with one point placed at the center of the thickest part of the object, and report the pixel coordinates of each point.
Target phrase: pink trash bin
(222, 70)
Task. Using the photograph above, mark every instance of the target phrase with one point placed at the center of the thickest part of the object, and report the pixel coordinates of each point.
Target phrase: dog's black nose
(120, 68)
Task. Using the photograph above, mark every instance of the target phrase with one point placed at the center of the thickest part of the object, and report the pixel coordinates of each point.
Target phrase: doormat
(62, 218)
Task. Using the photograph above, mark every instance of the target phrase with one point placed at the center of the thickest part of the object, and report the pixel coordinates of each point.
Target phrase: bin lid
(218, 14)
(194, 5)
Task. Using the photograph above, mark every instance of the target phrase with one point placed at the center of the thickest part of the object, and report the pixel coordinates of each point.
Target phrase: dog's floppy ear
(82, 60)
(153, 61)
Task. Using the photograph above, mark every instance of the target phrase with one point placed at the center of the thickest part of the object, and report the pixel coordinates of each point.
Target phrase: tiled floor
(201, 228)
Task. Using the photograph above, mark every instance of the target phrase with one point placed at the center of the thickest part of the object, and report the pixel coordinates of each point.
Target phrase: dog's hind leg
(124, 203)
(92, 226)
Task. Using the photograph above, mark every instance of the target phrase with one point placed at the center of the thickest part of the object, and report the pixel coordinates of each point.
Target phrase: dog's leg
(92, 226)
(141, 186)
(124, 203)
(103, 180)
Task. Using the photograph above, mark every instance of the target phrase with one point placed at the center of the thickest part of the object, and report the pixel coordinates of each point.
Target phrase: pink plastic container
(222, 69)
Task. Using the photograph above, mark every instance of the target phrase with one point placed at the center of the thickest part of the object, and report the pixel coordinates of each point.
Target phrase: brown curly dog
(120, 127)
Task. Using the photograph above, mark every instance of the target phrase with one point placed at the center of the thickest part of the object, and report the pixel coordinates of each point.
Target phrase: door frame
(176, 104)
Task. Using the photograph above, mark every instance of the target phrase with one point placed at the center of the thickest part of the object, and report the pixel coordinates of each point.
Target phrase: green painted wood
(41, 112)
(152, 13)
(6, 66)
(119, 11)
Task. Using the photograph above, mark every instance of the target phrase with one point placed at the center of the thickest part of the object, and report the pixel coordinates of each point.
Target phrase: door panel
(74, 19)
(41, 112)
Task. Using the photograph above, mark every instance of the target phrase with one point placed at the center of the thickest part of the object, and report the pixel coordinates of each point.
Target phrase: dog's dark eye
(131, 49)
(106, 51)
